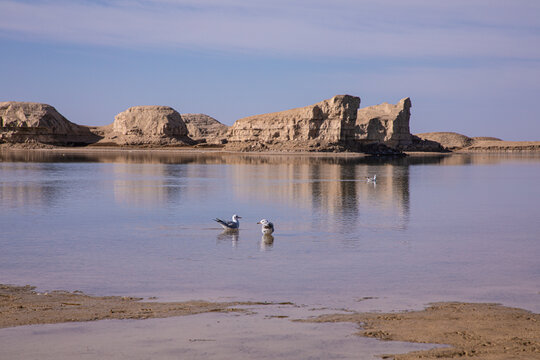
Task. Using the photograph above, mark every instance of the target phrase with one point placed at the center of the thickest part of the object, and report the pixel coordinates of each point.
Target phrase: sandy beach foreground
(480, 331)
(21, 305)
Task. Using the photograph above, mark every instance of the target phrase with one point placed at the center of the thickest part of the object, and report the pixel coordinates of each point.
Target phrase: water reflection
(19, 194)
(333, 188)
(229, 235)
(266, 243)
(30, 184)
(146, 185)
(208, 157)
(336, 192)
(350, 237)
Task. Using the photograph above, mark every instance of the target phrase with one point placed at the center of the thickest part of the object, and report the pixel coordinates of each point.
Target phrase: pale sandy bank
(476, 331)
(22, 305)
(472, 331)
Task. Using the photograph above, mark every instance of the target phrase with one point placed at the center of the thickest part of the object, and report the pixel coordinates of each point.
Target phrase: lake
(460, 227)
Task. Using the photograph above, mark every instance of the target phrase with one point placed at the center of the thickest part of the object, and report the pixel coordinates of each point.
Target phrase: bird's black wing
(228, 224)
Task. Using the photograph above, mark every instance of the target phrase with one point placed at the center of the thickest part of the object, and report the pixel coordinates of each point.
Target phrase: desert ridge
(337, 124)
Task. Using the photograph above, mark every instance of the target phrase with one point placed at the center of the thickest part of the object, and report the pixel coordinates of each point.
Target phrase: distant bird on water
(234, 224)
(267, 227)
(372, 179)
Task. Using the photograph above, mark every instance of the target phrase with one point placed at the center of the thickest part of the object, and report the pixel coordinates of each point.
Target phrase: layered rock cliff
(321, 125)
(335, 124)
(206, 129)
(23, 122)
(385, 123)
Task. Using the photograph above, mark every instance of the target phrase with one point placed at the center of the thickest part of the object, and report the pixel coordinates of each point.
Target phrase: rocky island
(333, 125)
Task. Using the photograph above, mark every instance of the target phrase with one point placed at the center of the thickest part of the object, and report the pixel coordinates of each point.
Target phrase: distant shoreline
(484, 147)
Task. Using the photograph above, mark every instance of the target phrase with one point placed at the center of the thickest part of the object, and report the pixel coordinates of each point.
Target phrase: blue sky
(469, 66)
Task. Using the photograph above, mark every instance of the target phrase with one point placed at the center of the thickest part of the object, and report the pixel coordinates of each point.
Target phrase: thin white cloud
(342, 28)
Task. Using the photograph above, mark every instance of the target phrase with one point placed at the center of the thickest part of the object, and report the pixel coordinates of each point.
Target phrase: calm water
(460, 227)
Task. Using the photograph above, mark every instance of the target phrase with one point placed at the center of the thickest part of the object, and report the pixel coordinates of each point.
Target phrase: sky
(469, 66)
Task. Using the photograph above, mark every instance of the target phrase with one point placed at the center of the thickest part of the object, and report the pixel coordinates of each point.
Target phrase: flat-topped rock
(150, 125)
(485, 138)
(385, 123)
(151, 120)
(327, 122)
(449, 140)
(37, 122)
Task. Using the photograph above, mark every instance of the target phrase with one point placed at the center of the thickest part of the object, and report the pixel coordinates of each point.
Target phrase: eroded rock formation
(204, 128)
(322, 125)
(149, 125)
(385, 123)
(27, 122)
(150, 120)
(335, 124)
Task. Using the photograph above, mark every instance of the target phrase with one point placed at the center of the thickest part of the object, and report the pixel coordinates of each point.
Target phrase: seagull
(267, 227)
(234, 224)
(372, 179)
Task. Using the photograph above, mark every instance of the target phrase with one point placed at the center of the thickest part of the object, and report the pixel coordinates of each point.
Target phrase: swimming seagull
(234, 224)
(267, 227)
(372, 179)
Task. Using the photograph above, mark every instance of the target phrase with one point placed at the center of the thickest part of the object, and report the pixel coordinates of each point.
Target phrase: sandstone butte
(336, 124)
(35, 122)
(141, 125)
(321, 125)
(332, 125)
(386, 123)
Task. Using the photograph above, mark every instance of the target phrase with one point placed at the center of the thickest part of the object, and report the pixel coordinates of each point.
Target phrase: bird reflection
(372, 179)
(231, 235)
(267, 242)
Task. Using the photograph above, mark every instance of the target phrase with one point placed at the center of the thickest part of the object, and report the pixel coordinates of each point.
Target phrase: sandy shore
(476, 331)
(170, 150)
(479, 331)
(22, 305)
(502, 146)
(484, 146)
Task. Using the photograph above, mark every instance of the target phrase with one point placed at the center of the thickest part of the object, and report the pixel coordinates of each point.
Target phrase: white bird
(267, 227)
(372, 179)
(234, 224)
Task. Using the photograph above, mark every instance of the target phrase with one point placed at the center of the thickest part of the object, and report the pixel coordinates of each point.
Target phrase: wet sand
(480, 331)
(22, 305)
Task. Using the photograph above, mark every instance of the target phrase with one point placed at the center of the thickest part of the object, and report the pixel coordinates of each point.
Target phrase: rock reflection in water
(332, 187)
(129, 224)
(146, 185)
(34, 184)
(336, 192)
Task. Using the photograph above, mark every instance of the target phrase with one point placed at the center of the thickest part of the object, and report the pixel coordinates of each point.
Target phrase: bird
(372, 179)
(267, 227)
(227, 225)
